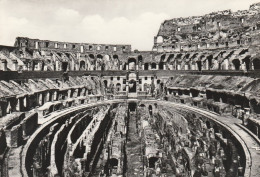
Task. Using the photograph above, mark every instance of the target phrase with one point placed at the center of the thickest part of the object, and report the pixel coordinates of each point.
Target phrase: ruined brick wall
(30, 124)
(214, 30)
(24, 42)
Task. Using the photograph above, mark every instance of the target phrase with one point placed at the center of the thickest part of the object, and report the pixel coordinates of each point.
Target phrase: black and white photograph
(129, 88)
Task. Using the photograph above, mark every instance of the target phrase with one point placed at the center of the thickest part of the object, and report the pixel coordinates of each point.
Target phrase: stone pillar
(243, 66)
(120, 67)
(127, 86)
(149, 66)
(178, 67)
(164, 66)
(18, 105)
(207, 65)
(57, 65)
(39, 66)
(142, 66)
(192, 67)
(4, 62)
(137, 67)
(127, 67)
(157, 66)
(171, 67)
(15, 65)
(24, 102)
(246, 115)
(186, 67)
(40, 99)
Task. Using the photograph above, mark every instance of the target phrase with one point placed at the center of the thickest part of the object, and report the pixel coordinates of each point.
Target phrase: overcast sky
(133, 22)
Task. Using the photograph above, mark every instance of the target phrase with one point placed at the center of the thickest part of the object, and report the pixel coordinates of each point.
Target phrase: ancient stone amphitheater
(190, 107)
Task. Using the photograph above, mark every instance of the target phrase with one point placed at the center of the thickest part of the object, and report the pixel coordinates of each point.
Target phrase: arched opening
(146, 66)
(152, 161)
(99, 56)
(199, 65)
(145, 87)
(115, 56)
(161, 65)
(64, 66)
(82, 65)
(124, 66)
(153, 66)
(163, 58)
(210, 61)
(105, 83)
(216, 130)
(140, 59)
(132, 86)
(142, 106)
(208, 124)
(103, 66)
(180, 130)
(118, 87)
(43, 66)
(132, 106)
(247, 62)
(150, 109)
(256, 63)
(161, 86)
(132, 64)
(91, 56)
(236, 63)
(113, 162)
(255, 106)
(171, 56)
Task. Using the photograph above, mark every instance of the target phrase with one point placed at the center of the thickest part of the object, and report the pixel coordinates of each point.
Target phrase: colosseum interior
(190, 107)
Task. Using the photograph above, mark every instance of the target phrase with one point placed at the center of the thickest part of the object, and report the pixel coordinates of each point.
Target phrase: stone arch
(142, 105)
(199, 65)
(247, 61)
(132, 63)
(140, 59)
(132, 106)
(153, 66)
(161, 63)
(106, 57)
(91, 56)
(208, 124)
(236, 63)
(82, 65)
(118, 87)
(256, 63)
(113, 162)
(152, 161)
(150, 108)
(132, 86)
(209, 59)
(171, 56)
(105, 83)
(216, 129)
(115, 57)
(146, 66)
(99, 56)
